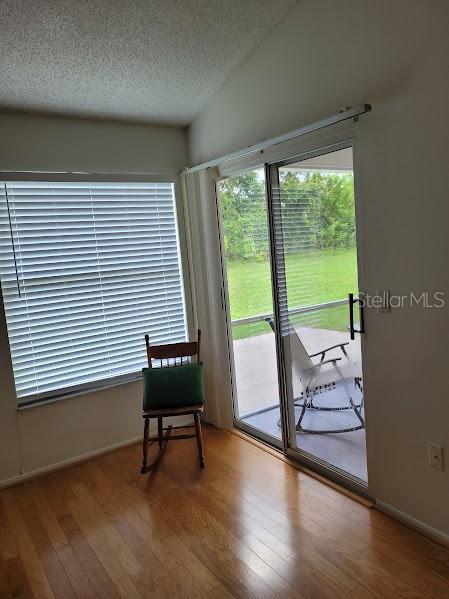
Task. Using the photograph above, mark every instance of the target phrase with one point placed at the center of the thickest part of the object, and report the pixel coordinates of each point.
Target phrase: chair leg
(305, 404)
(199, 438)
(145, 443)
(159, 429)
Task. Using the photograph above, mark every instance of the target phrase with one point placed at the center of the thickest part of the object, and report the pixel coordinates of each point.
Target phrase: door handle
(355, 300)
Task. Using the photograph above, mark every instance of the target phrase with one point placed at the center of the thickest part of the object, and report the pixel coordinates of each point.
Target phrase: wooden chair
(171, 357)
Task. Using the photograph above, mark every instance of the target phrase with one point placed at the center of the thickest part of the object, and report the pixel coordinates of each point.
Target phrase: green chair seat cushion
(173, 387)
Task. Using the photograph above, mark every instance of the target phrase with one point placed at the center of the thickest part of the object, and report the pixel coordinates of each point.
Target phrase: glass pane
(316, 246)
(87, 270)
(246, 246)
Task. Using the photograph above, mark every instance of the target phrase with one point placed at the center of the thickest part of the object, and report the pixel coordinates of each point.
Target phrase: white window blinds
(87, 269)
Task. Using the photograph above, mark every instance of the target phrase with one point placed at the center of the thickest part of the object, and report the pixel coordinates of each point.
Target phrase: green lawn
(313, 277)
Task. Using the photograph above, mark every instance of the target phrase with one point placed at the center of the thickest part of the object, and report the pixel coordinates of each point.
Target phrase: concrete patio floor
(258, 398)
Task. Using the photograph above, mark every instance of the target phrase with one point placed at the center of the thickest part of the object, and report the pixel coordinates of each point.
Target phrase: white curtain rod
(343, 115)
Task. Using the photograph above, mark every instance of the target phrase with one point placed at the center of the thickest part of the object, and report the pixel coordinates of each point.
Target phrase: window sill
(77, 392)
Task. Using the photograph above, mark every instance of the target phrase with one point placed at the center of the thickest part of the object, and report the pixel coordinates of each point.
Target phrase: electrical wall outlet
(435, 456)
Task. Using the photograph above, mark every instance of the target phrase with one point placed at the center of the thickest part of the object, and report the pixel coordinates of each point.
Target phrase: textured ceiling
(154, 60)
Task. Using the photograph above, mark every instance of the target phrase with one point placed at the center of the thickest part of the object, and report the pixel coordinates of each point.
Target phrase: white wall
(46, 435)
(323, 56)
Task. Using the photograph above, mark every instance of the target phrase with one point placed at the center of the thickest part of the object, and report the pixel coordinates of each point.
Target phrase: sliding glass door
(313, 204)
(290, 247)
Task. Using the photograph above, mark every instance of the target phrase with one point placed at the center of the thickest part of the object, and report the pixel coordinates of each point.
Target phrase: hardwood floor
(248, 525)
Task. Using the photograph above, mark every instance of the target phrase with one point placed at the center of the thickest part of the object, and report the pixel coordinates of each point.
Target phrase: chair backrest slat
(173, 354)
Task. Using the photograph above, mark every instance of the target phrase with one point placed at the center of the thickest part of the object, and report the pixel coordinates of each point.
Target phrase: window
(87, 269)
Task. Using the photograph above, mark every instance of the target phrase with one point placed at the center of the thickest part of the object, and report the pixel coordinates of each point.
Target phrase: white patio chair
(322, 376)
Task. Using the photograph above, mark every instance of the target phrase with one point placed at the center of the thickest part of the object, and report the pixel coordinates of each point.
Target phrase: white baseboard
(20, 478)
(425, 529)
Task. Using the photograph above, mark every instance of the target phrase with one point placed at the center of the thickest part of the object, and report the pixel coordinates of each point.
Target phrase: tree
(317, 212)
(244, 217)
